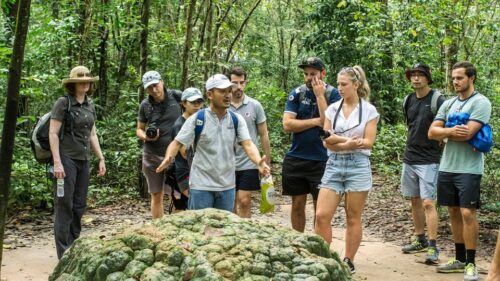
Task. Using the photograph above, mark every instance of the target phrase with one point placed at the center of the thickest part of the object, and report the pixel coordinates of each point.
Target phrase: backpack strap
(434, 101)
(303, 89)
(200, 123)
(235, 123)
(405, 107)
(70, 117)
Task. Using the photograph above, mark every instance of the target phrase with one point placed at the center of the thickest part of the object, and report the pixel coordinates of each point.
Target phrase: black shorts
(459, 190)
(301, 176)
(247, 180)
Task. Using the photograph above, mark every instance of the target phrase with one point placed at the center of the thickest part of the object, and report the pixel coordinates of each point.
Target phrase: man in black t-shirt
(421, 161)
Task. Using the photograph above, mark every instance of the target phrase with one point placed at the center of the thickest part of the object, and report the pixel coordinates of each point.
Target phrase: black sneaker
(350, 265)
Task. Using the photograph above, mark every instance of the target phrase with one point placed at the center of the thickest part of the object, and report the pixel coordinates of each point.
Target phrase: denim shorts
(202, 199)
(350, 172)
(419, 181)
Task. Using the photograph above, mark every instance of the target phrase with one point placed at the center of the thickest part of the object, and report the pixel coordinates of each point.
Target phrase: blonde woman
(351, 124)
(72, 136)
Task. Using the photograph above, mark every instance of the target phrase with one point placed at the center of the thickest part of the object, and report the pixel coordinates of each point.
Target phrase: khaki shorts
(156, 182)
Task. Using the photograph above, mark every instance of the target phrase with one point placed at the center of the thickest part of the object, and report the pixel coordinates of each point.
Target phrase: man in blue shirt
(304, 116)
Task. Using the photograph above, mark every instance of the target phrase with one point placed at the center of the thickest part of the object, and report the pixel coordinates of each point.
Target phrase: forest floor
(29, 251)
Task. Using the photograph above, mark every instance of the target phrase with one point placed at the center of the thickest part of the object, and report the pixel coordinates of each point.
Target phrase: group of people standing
(212, 154)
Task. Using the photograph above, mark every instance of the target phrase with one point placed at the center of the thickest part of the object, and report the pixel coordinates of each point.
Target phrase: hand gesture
(264, 169)
(319, 87)
(460, 131)
(59, 171)
(102, 168)
(164, 164)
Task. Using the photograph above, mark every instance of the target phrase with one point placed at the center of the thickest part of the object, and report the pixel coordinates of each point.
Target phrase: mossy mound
(202, 245)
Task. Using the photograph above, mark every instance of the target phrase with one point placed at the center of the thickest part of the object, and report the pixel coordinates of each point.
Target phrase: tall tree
(187, 44)
(11, 107)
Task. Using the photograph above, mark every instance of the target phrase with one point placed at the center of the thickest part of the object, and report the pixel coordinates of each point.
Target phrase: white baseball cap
(191, 94)
(218, 81)
(150, 78)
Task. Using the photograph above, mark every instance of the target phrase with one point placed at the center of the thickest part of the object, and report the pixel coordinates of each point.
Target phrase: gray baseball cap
(218, 81)
(150, 78)
(191, 94)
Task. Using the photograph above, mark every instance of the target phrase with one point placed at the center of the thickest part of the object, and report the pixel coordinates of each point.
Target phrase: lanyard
(360, 112)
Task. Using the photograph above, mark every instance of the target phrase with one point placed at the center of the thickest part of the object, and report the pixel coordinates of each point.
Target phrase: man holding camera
(157, 114)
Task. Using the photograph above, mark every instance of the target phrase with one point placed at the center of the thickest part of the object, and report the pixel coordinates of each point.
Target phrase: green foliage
(385, 37)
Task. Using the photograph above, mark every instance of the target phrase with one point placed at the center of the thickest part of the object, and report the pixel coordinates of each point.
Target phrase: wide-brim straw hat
(80, 74)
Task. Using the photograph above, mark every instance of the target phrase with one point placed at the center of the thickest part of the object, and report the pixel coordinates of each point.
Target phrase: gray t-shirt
(163, 114)
(459, 156)
(253, 113)
(213, 167)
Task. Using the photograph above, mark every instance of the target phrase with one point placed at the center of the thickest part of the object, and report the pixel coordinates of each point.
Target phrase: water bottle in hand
(60, 187)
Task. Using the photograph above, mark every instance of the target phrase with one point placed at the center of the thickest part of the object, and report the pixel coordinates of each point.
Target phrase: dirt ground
(376, 260)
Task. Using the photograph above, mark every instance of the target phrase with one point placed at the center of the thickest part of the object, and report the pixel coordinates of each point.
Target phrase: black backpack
(39, 141)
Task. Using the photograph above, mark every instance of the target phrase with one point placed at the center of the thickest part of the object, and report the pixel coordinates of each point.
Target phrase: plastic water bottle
(60, 187)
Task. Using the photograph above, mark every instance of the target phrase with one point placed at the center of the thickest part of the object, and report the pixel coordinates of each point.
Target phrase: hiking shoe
(470, 273)
(350, 265)
(415, 247)
(432, 255)
(451, 266)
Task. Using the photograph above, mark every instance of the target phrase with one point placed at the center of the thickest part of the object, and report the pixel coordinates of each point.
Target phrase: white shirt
(369, 112)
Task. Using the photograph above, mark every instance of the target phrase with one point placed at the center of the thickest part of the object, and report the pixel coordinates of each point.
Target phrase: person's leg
(157, 205)
(295, 184)
(63, 208)
(298, 213)
(470, 230)
(328, 201)
(431, 218)
(354, 204)
(418, 215)
(410, 188)
(79, 198)
(224, 200)
(246, 182)
(494, 272)
(200, 199)
(243, 203)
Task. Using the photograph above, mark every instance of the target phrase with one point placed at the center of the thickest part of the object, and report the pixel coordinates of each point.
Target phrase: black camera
(324, 134)
(152, 131)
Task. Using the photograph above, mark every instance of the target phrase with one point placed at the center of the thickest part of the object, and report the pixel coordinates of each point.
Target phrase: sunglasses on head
(352, 70)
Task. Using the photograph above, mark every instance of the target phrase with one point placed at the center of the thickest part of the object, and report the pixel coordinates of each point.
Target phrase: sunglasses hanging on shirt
(360, 112)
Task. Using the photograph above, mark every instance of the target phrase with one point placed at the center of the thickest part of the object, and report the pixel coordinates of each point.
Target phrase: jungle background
(188, 40)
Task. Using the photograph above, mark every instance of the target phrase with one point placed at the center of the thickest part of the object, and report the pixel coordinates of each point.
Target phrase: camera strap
(360, 114)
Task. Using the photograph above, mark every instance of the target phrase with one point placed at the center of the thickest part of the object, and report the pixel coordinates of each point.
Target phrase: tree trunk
(187, 44)
(143, 189)
(240, 30)
(208, 41)
(144, 43)
(103, 58)
(11, 107)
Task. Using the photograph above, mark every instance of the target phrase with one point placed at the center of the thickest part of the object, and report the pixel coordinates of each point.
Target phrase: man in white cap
(212, 177)
(157, 114)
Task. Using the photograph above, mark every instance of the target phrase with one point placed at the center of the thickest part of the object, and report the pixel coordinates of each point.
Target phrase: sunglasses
(351, 70)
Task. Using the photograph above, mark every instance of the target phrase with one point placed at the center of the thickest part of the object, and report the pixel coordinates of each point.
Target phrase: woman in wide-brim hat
(72, 135)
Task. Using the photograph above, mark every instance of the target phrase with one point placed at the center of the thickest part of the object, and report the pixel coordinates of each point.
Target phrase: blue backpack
(200, 123)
